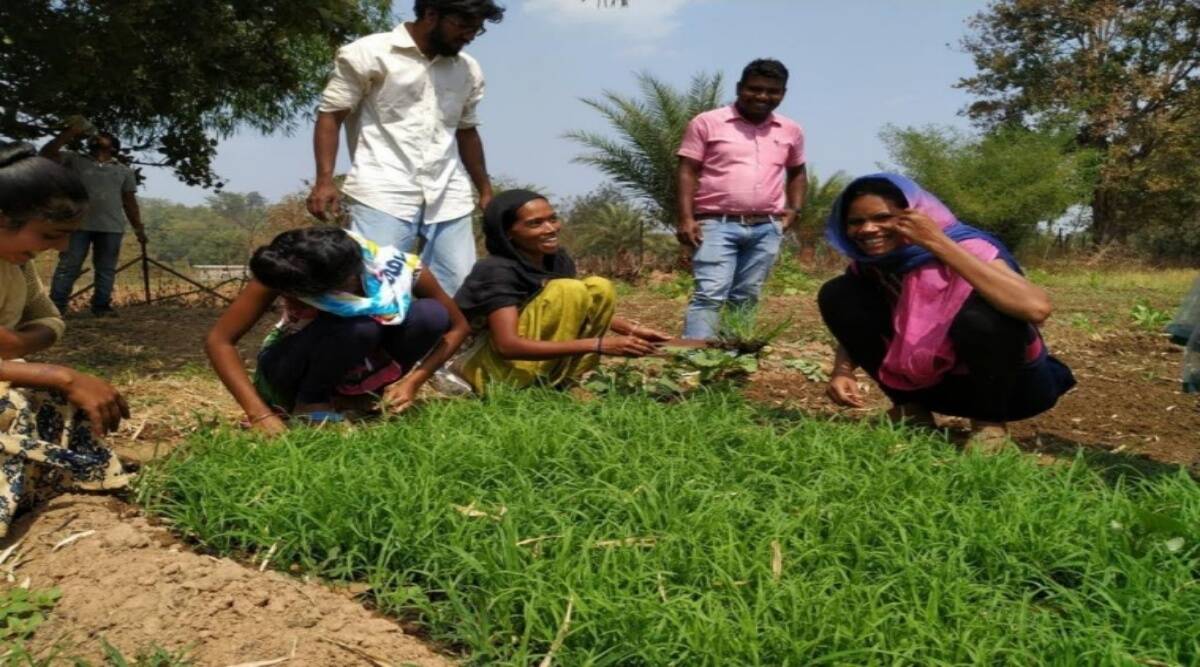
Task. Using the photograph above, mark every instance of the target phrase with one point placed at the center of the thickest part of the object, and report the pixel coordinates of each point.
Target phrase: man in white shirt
(408, 99)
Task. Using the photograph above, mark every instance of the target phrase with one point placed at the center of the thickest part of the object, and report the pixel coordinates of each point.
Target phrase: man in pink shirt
(741, 179)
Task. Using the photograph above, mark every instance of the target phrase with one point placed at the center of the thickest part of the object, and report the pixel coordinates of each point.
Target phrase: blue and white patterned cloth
(387, 280)
(47, 446)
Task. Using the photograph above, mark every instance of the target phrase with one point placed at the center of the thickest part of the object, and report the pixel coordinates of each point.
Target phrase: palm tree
(642, 156)
(612, 236)
(608, 230)
(817, 205)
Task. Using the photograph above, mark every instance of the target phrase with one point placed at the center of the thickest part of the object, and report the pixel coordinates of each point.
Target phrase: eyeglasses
(460, 24)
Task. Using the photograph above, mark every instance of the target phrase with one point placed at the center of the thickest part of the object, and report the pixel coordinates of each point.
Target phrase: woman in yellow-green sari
(536, 320)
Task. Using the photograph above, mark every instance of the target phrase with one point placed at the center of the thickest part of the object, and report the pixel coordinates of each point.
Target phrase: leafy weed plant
(788, 278)
(677, 376)
(1149, 318)
(706, 532)
(741, 329)
(22, 611)
(678, 287)
(154, 656)
(811, 370)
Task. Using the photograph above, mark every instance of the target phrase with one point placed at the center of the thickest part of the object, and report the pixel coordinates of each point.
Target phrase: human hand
(650, 335)
(788, 219)
(485, 198)
(99, 400)
(140, 233)
(689, 233)
(843, 390)
(324, 200)
(625, 346)
(398, 397)
(916, 228)
(272, 425)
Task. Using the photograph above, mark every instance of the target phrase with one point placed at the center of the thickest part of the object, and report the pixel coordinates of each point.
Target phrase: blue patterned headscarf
(910, 256)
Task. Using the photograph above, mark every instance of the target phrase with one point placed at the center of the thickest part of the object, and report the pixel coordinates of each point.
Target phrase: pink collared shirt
(743, 166)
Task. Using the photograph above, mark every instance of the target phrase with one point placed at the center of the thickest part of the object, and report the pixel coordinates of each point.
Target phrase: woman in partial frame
(52, 418)
(937, 312)
(358, 319)
(1185, 330)
(535, 319)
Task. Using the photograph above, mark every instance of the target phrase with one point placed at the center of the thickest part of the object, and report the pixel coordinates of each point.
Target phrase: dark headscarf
(506, 277)
(909, 256)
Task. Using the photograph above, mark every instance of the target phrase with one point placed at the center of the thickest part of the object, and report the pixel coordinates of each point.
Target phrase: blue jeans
(106, 248)
(730, 266)
(449, 246)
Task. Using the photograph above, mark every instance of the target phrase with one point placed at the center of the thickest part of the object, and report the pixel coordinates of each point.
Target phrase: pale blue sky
(856, 65)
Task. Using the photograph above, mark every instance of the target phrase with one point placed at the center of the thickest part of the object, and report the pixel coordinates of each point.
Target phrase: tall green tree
(245, 211)
(170, 77)
(192, 234)
(609, 231)
(641, 158)
(1006, 181)
(1123, 75)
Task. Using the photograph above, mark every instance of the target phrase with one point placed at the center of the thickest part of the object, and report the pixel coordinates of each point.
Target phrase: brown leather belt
(748, 220)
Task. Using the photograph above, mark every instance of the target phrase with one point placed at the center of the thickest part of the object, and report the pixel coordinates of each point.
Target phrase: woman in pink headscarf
(936, 312)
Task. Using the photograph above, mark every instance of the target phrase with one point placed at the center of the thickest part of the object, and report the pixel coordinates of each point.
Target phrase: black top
(506, 277)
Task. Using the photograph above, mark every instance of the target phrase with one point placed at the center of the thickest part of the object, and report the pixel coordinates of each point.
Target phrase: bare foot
(912, 414)
(988, 438)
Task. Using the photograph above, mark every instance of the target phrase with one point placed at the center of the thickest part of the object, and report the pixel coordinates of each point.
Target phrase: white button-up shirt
(405, 110)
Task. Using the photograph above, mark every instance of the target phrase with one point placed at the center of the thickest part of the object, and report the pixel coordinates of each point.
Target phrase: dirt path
(132, 584)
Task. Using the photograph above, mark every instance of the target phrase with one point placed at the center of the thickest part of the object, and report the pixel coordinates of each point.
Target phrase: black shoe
(104, 312)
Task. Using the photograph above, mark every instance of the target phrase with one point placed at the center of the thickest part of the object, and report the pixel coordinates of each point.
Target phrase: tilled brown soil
(133, 585)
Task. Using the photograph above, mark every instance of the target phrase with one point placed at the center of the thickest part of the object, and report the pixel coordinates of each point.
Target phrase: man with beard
(741, 180)
(408, 99)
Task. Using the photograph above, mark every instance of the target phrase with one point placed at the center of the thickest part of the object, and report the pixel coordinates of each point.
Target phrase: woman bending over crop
(357, 318)
(536, 321)
(936, 312)
(52, 417)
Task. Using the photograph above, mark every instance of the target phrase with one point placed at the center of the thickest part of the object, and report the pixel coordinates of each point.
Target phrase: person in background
(111, 187)
(52, 418)
(741, 179)
(358, 319)
(535, 320)
(936, 312)
(1185, 330)
(408, 99)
